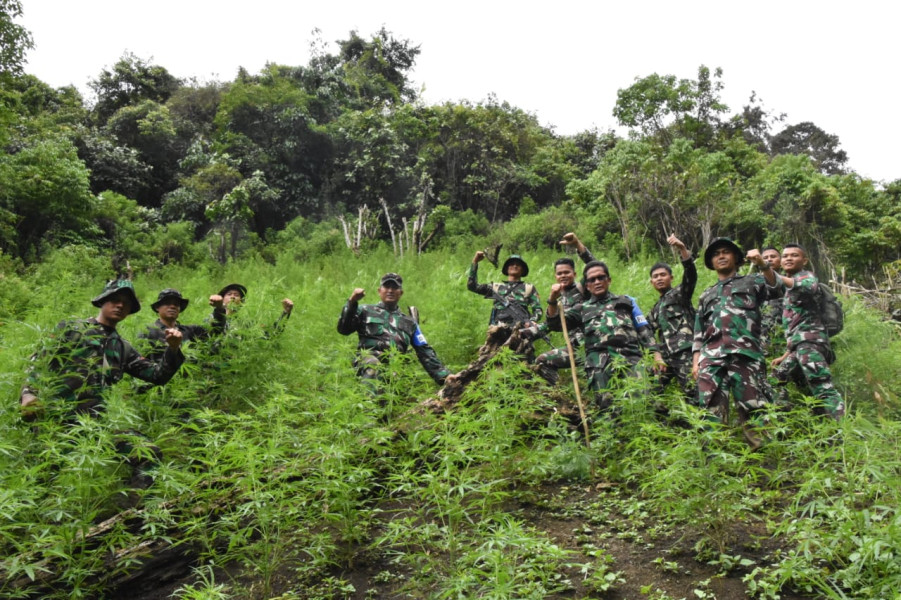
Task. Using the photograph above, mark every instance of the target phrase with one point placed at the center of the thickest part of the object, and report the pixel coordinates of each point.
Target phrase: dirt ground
(652, 559)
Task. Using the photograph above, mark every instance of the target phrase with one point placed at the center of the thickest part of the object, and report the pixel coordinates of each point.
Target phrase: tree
(376, 70)
(666, 108)
(807, 138)
(15, 40)
(131, 81)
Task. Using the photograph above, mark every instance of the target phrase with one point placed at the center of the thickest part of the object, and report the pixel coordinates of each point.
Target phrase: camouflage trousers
(601, 369)
(550, 362)
(742, 377)
(678, 367)
(808, 367)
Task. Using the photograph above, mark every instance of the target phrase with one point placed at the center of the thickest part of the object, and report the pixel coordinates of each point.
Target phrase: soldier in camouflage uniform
(614, 327)
(728, 357)
(514, 291)
(809, 354)
(169, 306)
(672, 318)
(548, 363)
(772, 335)
(382, 326)
(86, 357)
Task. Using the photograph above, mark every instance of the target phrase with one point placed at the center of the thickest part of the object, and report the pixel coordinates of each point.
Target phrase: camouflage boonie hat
(234, 286)
(720, 243)
(115, 286)
(170, 293)
(515, 258)
(394, 277)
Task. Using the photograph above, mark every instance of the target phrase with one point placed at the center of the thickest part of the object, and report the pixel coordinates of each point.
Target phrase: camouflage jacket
(513, 292)
(85, 357)
(611, 325)
(380, 328)
(728, 317)
(800, 313)
(156, 334)
(573, 295)
(673, 317)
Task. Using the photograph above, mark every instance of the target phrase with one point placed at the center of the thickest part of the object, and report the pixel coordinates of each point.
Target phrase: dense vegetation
(282, 475)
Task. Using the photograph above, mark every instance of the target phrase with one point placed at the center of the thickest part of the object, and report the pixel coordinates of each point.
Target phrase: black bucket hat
(515, 258)
(720, 243)
(170, 293)
(234, 286)
(115, 286)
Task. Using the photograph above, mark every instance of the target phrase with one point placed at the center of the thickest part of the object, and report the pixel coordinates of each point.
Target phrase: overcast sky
(833, 63)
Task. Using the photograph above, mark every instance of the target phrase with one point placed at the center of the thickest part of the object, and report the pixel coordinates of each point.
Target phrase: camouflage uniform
(156, 334)
(518, 292)
(379, 329)
(85, 358)
(614, 328)
(727, 335)
(808, 344)
(552, 361)
(672, 321)
(772, 334)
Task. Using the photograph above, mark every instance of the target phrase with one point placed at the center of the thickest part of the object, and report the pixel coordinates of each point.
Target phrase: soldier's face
(117, 307)
(724, 260)
(772, 258)
(564, 275)
(169, 309)
(793, 260)
(514, 269)
(390, 294)
(232, 297)
(661, 279)
(597, 280)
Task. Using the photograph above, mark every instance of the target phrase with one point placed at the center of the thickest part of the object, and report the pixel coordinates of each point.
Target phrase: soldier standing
(772, 335)
(809, 354)
(169, 306)
(515, 301)
(382, 326)
(614, 328)
(728, 357)
(673, 316)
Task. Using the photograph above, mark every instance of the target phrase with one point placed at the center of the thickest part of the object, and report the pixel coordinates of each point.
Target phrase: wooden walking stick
(572, 369)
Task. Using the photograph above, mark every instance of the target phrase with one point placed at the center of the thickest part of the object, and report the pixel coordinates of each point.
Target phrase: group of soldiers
(83, 358)
(713, 351)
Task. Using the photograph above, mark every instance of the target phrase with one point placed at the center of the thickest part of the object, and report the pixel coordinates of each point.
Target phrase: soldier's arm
(349, 320)
(472, 280)
(689, 279)
(147, 370)
(279, 326)
(536, 311)
(428, 358)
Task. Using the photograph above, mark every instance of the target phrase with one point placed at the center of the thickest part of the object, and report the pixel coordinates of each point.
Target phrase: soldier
(382, 326)
(614, 328)
(573, 293)
(673, 316)
(515, 301)
(86, 357)
(169, 306)
(728, 357)
(772, 335)
(230, 298)
(809, 354)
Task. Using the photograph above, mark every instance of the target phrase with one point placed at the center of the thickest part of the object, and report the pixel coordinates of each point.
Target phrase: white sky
(828, 62)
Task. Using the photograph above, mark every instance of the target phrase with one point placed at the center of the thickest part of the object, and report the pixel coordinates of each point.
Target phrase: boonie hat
(393, 277)
(115, 286)
(234, 286)
(720, 243)
(170, 293)
(515, 258)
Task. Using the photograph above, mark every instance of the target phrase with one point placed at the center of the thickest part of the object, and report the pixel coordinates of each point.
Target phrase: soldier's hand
(216, 301)
(173, 338)
(30, 407)
(287, 305)
(479, 257)
(357, 295)
(675, 242)
(778, 361)
(556, 290)
(569, 239)
(754, 256)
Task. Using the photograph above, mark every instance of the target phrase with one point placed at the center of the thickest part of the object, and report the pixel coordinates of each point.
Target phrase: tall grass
(278, 459)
